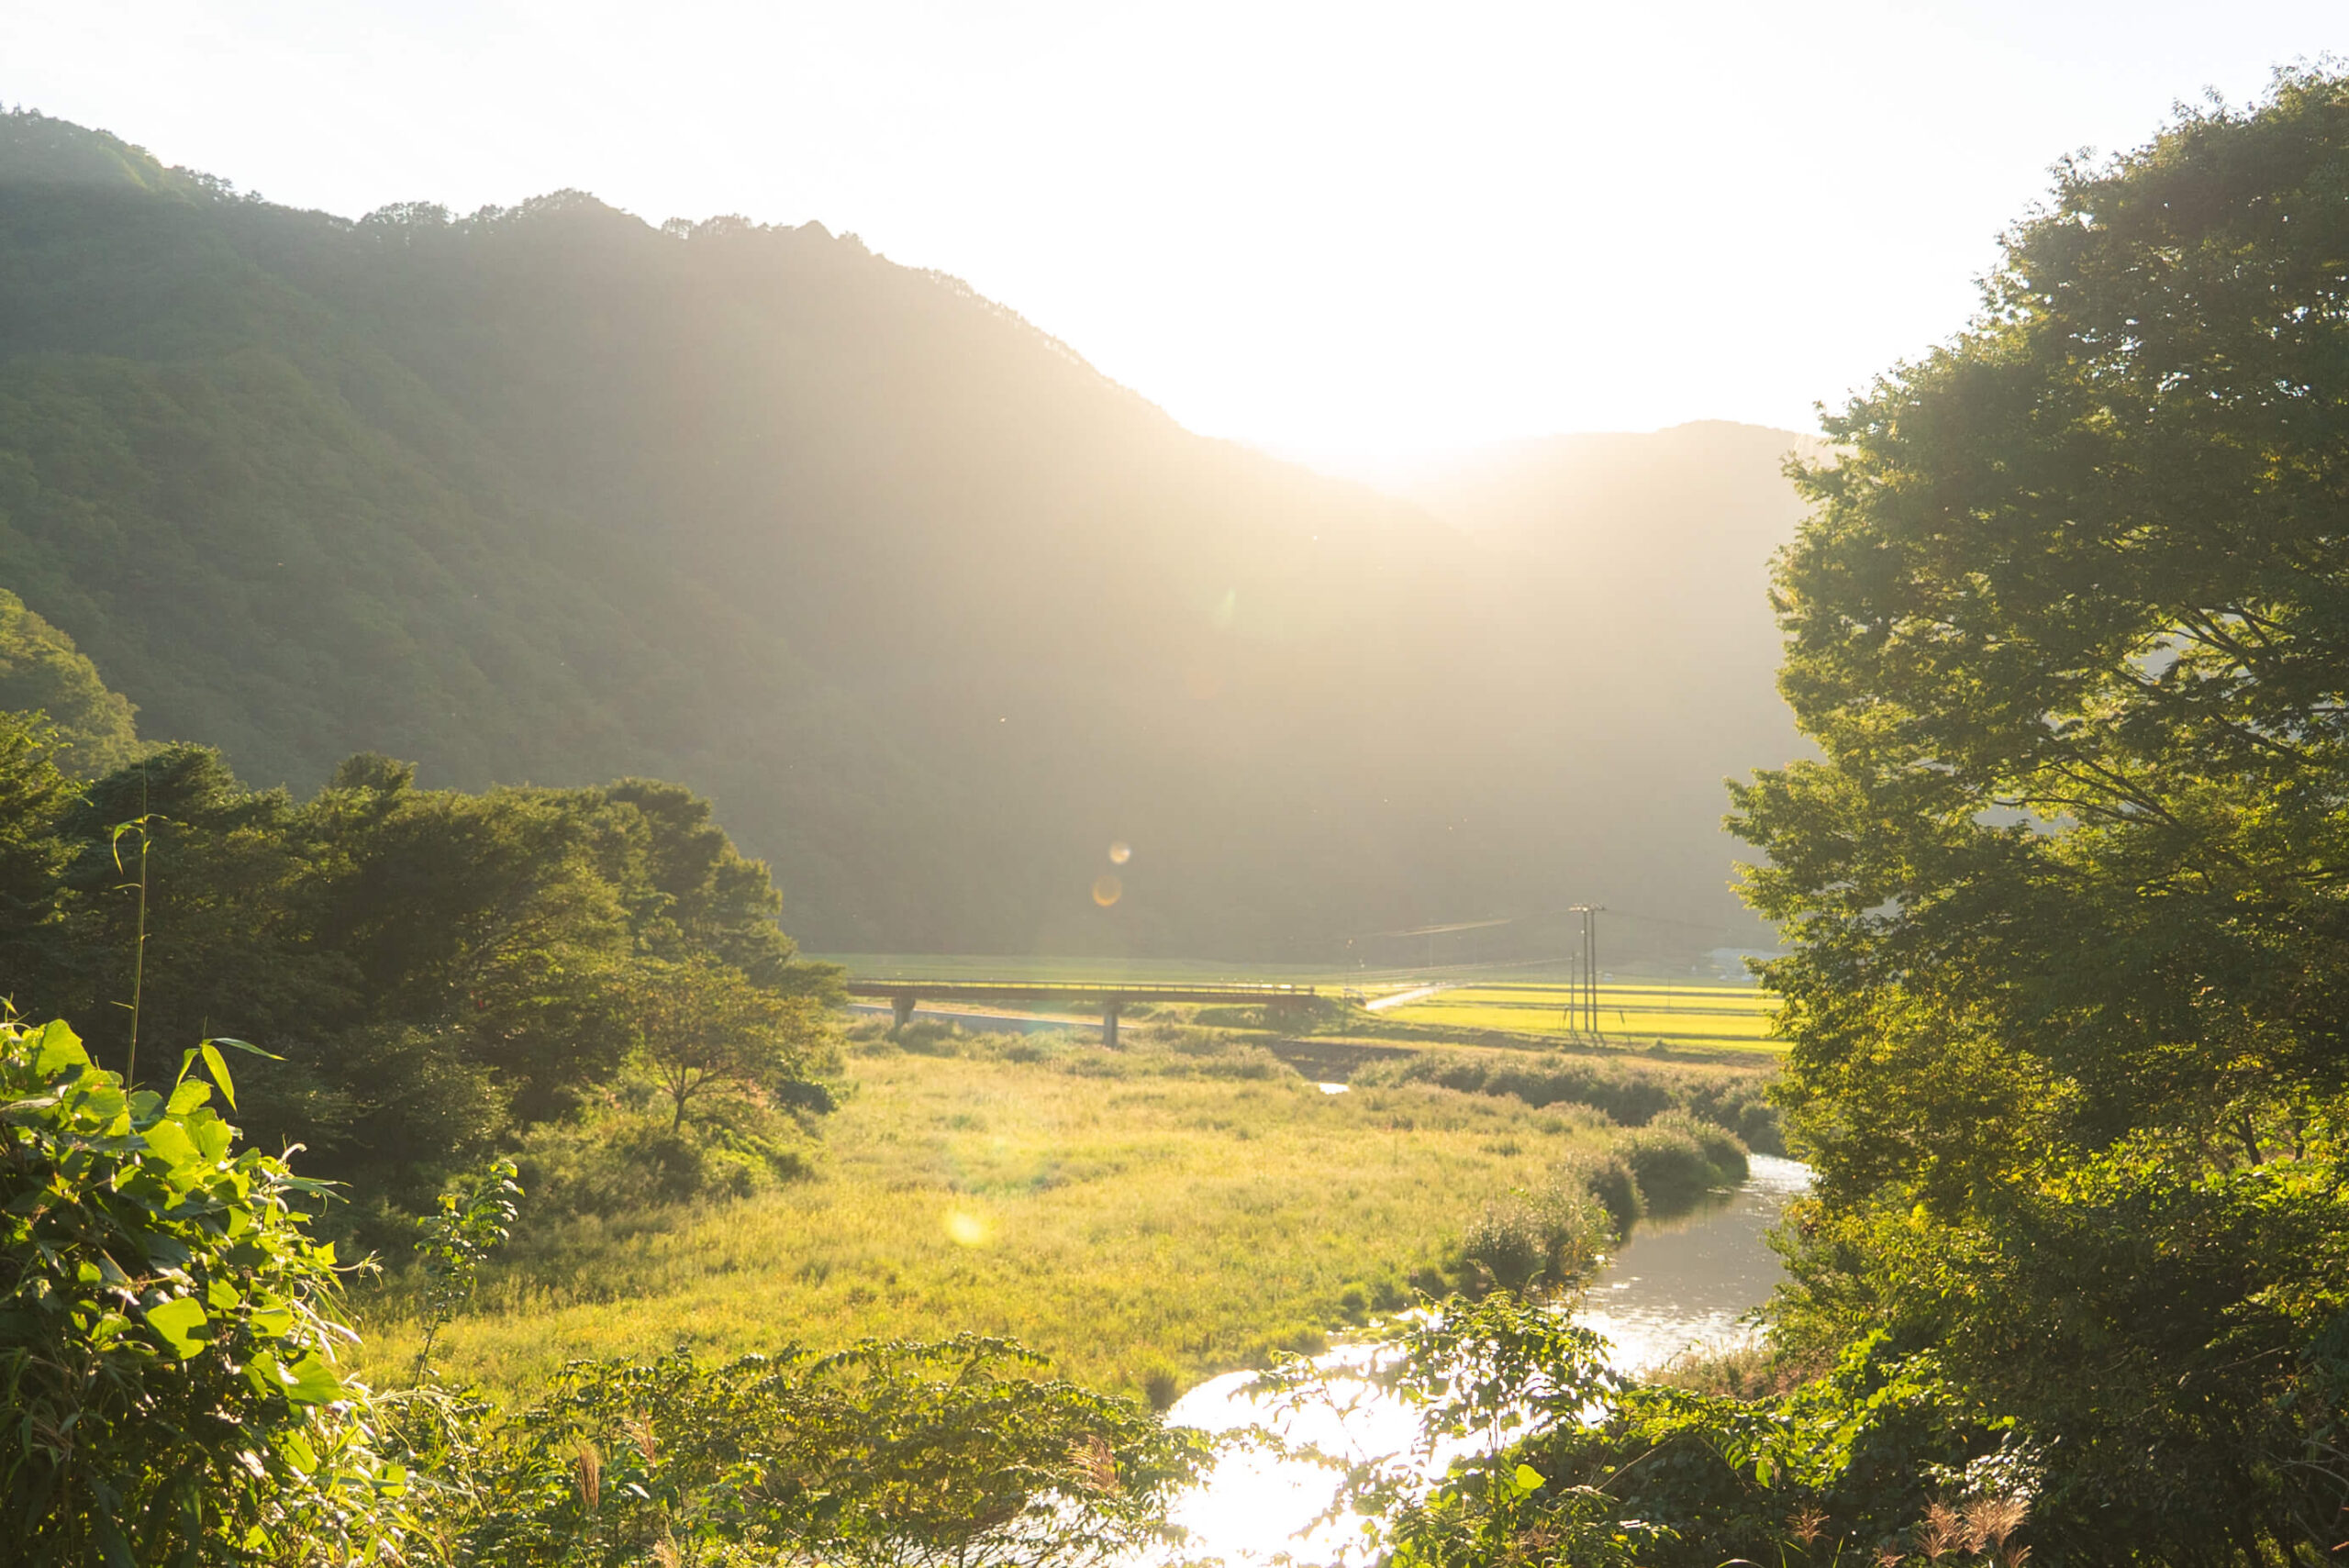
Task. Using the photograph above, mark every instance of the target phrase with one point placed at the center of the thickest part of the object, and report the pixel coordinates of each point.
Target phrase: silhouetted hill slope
(933, 609)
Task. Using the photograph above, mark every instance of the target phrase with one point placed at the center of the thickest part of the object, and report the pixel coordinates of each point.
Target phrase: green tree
(230, 916)
(433, 970)
(704, 1026)
(2068, 886)
(699, 894)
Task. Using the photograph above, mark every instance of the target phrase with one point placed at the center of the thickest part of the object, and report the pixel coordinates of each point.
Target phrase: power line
(1538, 915)
(1439, 930)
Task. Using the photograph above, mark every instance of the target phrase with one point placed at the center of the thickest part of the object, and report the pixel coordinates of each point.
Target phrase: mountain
(934, 610)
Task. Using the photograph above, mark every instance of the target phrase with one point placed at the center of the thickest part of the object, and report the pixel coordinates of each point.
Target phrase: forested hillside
(94, 730)
(934, 610)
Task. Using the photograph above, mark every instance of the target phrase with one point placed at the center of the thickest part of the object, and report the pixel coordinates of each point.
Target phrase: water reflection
(1688, 1283)
(1674, 1287)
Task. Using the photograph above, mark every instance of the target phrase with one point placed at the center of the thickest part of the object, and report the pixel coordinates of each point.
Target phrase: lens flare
(1107, 890)
(1121, 852)
(965, 1228)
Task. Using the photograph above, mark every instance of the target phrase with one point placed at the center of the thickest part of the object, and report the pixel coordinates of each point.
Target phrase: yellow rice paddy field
(1714, 1017)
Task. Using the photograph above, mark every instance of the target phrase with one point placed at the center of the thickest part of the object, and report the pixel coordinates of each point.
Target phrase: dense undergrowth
(176, 1362)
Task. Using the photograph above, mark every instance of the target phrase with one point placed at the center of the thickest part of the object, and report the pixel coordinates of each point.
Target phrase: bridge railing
(1112, 997)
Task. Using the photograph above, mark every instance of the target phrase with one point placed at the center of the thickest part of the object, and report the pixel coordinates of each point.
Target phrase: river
(1675, 1286)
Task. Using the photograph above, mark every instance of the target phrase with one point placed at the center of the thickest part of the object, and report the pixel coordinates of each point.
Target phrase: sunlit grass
(1125, 1226)
(1140, 971)
(1713, 1017)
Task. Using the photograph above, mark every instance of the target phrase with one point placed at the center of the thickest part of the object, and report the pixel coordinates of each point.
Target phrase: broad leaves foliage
(167, 1349)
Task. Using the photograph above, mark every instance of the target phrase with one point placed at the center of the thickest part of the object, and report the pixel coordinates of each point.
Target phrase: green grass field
(1715, 1018)
(1632, 1012)
(1128, 1216)
(1141, 971)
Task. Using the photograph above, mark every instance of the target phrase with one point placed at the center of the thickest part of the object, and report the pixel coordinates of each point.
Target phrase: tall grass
(1679, 1158)
(1631, 1092)
(1146, 1218)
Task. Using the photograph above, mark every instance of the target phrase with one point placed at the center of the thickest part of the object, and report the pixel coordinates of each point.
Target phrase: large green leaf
(310, 1380)
(178, 1320)
(59, 1048)
(170, 1139)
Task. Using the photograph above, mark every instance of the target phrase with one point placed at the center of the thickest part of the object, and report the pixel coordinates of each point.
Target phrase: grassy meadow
(1145, 1218)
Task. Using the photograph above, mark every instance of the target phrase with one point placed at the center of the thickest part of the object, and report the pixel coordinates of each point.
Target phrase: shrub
(1162, 1385)
(883, 1453)
(926, 1037)
(1719, 1146)
(1628, 1094)
(623, 1151)
(1474, 1370)
(168, 1336)
(1186, 1050)
(1185, 1039)
(1747, 1372)
(1609, 1178)
(1759, 1127)
(1528, 1241)
(1679, 1158)
(1361, 1298)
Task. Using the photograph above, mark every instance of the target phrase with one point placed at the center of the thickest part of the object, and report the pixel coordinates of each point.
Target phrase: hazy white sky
(1351, 231)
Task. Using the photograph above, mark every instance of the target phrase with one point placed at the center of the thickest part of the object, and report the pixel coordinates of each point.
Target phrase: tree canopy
(435, 971)
(42, 670)
(2069, 624)
(2069, 885)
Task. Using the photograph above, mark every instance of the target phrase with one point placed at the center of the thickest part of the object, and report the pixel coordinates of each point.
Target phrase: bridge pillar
(1109, 1011)
(902, 1005)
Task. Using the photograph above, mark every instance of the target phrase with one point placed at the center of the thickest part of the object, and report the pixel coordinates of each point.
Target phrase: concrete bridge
(1111, 998)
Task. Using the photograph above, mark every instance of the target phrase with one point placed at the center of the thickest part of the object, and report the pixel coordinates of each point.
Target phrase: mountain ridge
(933, 608)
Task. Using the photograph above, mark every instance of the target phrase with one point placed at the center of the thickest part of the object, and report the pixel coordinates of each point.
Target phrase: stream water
(1674, 1287)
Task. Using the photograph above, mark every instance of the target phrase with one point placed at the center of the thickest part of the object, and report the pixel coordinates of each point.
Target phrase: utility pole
(1589, 999)
(1596, 910)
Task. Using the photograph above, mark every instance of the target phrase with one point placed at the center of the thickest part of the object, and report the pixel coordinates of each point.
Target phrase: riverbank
(1682, 1286)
